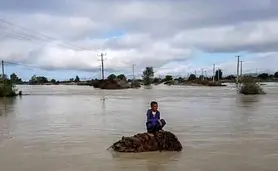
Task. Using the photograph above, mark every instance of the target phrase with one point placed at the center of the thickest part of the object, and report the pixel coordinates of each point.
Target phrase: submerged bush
(7, 88)
(250, 87)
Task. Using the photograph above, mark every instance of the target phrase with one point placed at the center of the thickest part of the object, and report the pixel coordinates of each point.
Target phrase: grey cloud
(156, 33)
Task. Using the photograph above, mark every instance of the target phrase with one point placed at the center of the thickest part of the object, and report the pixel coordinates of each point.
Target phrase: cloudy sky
(63, 38)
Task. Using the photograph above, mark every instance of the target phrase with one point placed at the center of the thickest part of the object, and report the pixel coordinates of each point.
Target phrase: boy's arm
(158, 115)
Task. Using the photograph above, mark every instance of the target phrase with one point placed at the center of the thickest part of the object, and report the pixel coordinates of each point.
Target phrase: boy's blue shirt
(152, 118)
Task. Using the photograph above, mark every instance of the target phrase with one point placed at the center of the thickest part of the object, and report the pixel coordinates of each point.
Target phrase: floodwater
(69, 128)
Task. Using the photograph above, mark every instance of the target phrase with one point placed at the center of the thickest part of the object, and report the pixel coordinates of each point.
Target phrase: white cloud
(155, 33)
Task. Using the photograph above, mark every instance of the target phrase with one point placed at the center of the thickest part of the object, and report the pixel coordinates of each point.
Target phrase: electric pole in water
(240, 70)
(102, 65)
(218, 72)
(202, 74)
(213, 70)
(237, 70)
(133, 69)
(100, 72)
(3, 71)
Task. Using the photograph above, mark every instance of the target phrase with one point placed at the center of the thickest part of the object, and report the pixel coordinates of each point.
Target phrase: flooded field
(69, 128)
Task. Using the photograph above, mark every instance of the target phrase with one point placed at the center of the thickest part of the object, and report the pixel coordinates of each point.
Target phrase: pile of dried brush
(145, 142)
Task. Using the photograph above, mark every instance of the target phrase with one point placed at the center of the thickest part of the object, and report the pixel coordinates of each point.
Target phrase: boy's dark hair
(153, 103)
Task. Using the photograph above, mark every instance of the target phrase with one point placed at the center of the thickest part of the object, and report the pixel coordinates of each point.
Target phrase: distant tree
(71, 79)
(168, 78)
(201, 77)
(77, 79)
(180, 79)
(38, 80)
(121, 77)
(263, 76)
(156, 80)
(218, 74)
(148, 76)
(112, 77)
(230, 77)
(192, 77)
(53, 81)
(42, 79)
(276, 74)
(14, 78)
(33, 79)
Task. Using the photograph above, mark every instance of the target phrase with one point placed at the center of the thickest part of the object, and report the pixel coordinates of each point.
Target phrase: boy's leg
(150, 127)
(163, 122)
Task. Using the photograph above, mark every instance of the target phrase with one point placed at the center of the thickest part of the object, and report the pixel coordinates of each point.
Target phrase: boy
(154, 123)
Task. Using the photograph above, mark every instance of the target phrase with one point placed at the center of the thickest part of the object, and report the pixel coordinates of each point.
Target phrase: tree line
(13, 78)
(147, 78)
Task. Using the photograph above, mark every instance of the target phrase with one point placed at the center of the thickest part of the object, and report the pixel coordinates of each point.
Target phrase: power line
(29, 35)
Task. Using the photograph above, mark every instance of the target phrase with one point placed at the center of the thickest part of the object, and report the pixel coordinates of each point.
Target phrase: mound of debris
(146, 142)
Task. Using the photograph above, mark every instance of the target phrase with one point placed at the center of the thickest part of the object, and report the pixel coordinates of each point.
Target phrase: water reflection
(153, 161)
(103, 100)
(147, 86)
(6, 105)
(248, 100)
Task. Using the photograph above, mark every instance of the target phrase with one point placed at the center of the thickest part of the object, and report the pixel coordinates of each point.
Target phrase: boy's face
(154, 107)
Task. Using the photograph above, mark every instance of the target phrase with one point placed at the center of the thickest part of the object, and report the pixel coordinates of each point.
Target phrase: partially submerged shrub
(250, 87)
(135, 84)
(7, 88)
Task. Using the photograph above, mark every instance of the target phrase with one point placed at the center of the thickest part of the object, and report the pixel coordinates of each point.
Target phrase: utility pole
(240, 70)
(100, 72)
(3, 71)
(237, 71)
(218, 72)
(102, 65)
(202, 74)
(213, 70)
(133, 70)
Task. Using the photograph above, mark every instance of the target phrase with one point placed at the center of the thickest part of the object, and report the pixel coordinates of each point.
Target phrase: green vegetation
(7, 88)
(121, 77)
(148, 74)
(250, 87)
(135, 84)
(192, 77)
(112, 77)
(218, 75)
(148, 79)
(14, 79)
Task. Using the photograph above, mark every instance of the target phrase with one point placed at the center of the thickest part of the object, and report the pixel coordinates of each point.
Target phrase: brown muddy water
(69, 128)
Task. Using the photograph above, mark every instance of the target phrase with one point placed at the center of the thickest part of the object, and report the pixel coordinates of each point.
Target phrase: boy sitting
(154, 123)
